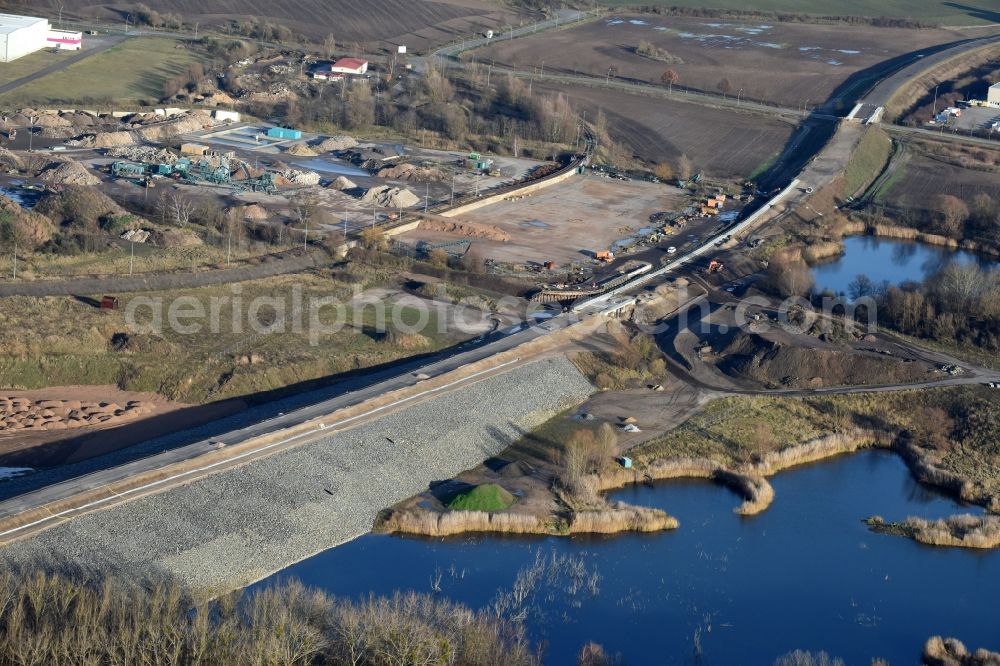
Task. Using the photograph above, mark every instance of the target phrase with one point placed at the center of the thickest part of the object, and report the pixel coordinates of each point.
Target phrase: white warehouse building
(21, 35)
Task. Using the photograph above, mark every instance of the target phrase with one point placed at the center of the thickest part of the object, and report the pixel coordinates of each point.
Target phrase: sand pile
(391, 197)
(52, 120)
(191, 122)
(467, 229)
(253, 212)
(103, 140)
(80, 119)
(26, 414)
(69, 173)
(335, 144)
(343, 183)
(301, 150)
(411, 172)
(58, 132)
(32, 228)
(297, 177)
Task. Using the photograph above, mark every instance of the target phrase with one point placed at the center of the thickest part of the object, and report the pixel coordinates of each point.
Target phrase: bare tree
(725, 87)
(669, 78)
(177, 209)
(329, 45)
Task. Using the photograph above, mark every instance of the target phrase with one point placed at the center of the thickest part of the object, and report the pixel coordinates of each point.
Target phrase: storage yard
(813, 60)
(566, 224)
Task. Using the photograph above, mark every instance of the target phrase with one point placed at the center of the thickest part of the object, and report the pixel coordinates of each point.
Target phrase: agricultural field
(418, 25)
(111, 75)
(720, 143)
(923, 177)
(813, 59)
(934, 11)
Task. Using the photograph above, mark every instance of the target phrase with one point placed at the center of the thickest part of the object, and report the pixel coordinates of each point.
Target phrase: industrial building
(993, 96)
(352, 66)
(21, 35)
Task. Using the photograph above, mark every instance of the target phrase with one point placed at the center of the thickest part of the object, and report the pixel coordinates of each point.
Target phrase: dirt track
(159, 281)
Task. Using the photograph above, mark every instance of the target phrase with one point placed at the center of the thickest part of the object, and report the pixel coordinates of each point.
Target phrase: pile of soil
(516, 469)
(335, 144)
(254, 212)
(52, 120)
(391, 197)
(103, 140)
(68, 173)
(467, 229)
(301, 150)
(411, 172)
(749, 356)
(174, 238)
(26, 414)
(343, 183)
(33, 228)
(10, 161)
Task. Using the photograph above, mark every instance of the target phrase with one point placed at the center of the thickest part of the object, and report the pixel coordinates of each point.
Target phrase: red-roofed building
(355, 66)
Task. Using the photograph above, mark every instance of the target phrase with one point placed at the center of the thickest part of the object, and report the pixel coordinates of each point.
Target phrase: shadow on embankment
(68, 458)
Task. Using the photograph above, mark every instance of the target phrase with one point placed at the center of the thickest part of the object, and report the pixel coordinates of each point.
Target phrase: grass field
(867, 162)
(940, 11)
(31, 63)
(67, 341)
(487, 497)
(131, 71)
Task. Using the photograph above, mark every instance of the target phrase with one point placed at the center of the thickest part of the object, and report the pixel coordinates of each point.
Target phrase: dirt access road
(97, 45)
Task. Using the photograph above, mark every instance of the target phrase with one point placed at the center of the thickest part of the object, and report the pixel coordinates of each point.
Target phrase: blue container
(284, 133)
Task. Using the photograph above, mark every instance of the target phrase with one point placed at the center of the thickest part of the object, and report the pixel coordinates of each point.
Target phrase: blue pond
(806, 574)
(889, 261)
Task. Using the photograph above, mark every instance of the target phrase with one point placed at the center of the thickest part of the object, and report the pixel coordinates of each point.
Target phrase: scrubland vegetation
(947, 436)
(952, 652)
(47, 619)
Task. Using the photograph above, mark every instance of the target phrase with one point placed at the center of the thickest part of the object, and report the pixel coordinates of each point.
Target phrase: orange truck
(605, 256)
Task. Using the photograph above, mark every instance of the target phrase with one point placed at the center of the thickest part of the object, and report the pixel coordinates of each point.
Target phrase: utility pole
(15, 262)
(305, 234)
(345, 225)
(453, 189)
(427, 196)
(935, 98)
(131, 259)
(229, 246)
(477, 184)
(31, 131)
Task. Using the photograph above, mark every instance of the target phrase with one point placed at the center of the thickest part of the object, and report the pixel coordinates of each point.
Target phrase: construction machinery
(605, 256)
(714, 266)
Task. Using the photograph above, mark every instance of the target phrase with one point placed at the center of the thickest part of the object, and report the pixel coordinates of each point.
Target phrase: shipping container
(284, 133)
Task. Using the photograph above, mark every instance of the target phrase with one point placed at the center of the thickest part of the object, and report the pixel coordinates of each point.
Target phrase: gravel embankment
(236, 527)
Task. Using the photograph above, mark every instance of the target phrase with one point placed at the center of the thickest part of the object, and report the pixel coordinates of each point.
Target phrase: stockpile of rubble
(68, 173)
(147, 154)
(391, 197)
(411, 172)
(301, 150)
(296, 177)
(335, 144)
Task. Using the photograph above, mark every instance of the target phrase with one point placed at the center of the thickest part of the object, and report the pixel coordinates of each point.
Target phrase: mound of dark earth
(751, 357)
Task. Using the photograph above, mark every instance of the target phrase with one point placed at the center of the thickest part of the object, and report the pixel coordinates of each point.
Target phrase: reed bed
(963, 531)
(952, 652)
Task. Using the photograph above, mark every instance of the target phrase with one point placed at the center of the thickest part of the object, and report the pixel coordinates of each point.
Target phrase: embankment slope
(233, 528)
